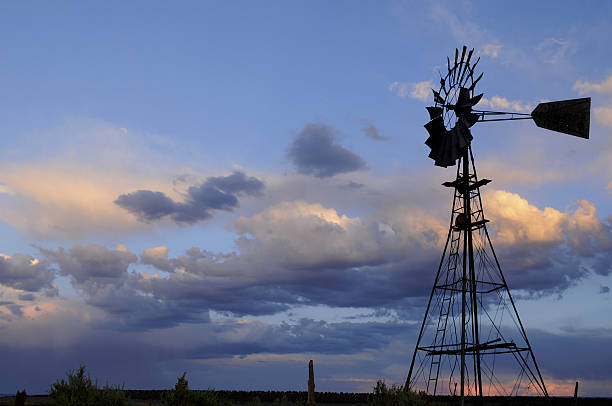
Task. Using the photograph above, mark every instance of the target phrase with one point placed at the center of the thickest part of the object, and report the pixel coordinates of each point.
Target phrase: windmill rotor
(453, 113)
(451, 116)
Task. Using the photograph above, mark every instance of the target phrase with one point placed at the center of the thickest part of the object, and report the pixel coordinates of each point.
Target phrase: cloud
(91, 262)
(491, 50)
(296, 253)
(517, 221)
(216, 193)
(28, 297)
(554, 50)
(604, 289)
(497, 102)
(314, 151)
(589, 87)
(416, 90)
(66, 201)
(306, 235)
(24, 272)
(586, 233)
(603, 115)
(546, 249)
(157, 257)
(101, 276)
(371, 131)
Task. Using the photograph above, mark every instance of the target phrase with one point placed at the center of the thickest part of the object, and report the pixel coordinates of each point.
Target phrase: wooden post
(576, 394)
(311, 385)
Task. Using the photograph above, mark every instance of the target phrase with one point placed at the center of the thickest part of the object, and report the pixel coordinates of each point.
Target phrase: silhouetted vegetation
(80, 390)
(182, 396)
(394, 395)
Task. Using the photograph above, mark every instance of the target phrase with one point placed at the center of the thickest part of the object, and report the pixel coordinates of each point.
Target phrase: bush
(182, 396)
(397, 396)
(80, 390)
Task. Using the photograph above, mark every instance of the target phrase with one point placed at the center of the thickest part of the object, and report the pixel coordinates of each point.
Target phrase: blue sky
(233, 188)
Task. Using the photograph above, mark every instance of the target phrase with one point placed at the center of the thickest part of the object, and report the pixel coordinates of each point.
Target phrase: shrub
(182, 396)
(80, 390)
(397, 396)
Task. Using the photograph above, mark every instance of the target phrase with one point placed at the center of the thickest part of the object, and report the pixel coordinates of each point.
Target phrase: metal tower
(472, 338)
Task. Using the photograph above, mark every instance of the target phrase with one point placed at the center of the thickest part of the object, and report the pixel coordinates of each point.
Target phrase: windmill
(472, 341)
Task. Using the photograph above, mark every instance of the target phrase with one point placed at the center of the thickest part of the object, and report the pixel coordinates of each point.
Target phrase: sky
(234, 188)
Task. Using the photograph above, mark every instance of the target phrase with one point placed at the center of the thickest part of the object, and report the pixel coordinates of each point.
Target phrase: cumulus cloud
(416, 90)
(501, 103)
(541, 248)
(216, 193)
(517, 221)
(24, 272)
(371, 131)
(306, 235)
(299, 253)
(583, 87)
(158, 257)
(586, 233)
(314, 151)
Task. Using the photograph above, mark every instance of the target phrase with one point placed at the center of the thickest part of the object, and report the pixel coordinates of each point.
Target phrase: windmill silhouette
(472, 341)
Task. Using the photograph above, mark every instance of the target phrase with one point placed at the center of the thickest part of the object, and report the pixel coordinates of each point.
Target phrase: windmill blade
(476, 81)
(464, 97)
(474, 100)
(466, 64)
(434, 112)
(463, 54)
(470, 119)
(566, 116)
(472, 70)
(437, 97)
(437, 138)
(436, 131)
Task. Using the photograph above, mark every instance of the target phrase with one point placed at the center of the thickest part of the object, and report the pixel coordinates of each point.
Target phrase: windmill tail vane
(472, 341)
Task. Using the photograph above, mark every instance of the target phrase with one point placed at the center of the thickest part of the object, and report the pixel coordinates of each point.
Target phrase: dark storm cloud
(587, 352)
(371, 131)
(101, 276)
(303, 336)
(315, 152)
(254, 284)
(216, 193)
(154, 359)
(24, 272)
